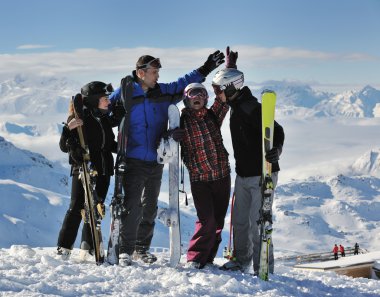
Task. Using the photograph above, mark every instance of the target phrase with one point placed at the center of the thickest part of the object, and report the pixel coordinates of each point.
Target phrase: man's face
(149, 77)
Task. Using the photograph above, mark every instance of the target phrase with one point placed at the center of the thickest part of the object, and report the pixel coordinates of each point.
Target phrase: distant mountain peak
(31, 95)
(13, 156)
(368, 164)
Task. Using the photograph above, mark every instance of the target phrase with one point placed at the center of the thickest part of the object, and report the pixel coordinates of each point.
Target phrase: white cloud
(33, 46)
(110, 64)
(87, 59)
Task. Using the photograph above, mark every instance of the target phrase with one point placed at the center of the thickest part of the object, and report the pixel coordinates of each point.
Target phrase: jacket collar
(243, 95)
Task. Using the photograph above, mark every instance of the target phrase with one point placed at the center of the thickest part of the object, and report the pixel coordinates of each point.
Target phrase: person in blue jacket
(148, 122)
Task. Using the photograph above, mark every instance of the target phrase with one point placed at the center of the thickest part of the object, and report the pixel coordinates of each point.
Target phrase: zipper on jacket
(103, 143)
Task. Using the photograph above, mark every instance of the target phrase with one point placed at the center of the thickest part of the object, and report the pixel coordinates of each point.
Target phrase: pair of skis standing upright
(171, 215)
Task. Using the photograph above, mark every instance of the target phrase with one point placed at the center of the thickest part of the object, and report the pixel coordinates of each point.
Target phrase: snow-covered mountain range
(32, 96)
(318, 202)
(328, 192)
(36, 96)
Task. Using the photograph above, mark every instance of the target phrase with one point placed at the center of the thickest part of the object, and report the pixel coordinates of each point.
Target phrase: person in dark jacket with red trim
(207, 162)
(246, 134)
(97, 127)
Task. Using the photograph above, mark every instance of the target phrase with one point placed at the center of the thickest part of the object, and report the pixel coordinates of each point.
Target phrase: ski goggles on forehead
(155, 63)
(108, 89)
(196, 93)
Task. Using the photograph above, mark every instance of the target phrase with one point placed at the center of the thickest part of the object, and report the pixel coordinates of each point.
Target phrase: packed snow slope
(36, 272)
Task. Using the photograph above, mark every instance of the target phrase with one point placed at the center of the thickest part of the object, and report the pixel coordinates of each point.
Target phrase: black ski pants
(73, 217)
(142, 187)
(211, 201)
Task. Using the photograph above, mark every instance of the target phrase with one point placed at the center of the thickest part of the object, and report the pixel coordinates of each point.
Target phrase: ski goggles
(155, 63)
(196, 93)
(108, 89)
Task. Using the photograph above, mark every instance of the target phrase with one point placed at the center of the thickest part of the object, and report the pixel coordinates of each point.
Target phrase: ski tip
(268, 91)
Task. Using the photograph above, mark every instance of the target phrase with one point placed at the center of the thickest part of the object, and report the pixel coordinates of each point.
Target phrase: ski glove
(273, 155)
(118, 113)
(101, 210)
(213, 62)
(76, 154)
(177, 134)
(75, 150)
(231, 58)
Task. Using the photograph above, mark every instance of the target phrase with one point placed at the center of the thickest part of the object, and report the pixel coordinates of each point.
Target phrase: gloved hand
(101, 210)
(76, 154)
(231, 58)
(273, 155)
(75, 150)
(213, 62)
(118, 112)
(177, 134)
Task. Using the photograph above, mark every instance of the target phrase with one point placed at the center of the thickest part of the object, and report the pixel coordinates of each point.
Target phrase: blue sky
(329, 43)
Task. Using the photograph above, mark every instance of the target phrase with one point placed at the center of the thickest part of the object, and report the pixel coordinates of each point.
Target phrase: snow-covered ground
(37, 272)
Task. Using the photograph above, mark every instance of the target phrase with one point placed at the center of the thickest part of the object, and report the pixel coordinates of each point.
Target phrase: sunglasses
(155, 63)
(197, 93)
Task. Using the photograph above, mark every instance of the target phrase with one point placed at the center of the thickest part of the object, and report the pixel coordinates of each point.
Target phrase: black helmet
(93, 91)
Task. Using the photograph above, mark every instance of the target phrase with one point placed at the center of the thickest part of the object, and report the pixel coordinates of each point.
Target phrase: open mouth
(196, 102)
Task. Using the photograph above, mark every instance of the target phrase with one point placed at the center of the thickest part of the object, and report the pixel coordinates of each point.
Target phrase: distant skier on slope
(148, 121)
(207, 162)
(245, 126)
(341, 249)
(335, 251)
(356, 249)
(100, 138)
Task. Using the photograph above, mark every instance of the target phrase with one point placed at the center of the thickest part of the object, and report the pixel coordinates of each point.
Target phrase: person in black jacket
(97, 129)
(246, 134)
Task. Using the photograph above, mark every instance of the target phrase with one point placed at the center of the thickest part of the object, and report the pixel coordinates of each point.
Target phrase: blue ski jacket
(149, 113)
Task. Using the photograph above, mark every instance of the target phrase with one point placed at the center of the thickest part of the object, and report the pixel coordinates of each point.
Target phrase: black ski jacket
(245, 125)
(99, 138)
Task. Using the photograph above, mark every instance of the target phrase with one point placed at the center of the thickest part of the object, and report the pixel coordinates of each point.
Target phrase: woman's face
(197, 98)
(196, 103)
(104, 102)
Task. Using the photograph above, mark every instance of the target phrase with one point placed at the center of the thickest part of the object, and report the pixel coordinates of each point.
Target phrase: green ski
(268, 103)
